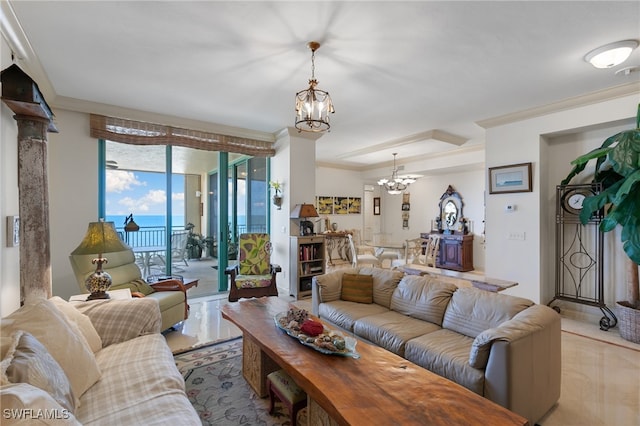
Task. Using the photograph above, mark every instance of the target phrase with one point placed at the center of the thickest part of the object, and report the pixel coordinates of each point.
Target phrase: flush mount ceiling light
(397, 183)
(313, 105)
(612, 54)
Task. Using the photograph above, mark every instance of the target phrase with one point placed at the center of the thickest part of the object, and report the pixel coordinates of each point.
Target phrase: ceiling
(408, 77)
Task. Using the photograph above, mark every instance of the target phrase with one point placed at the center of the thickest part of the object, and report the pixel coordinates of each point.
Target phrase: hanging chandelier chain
(313, 64)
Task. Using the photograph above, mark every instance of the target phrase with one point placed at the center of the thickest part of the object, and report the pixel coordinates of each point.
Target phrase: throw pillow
(27, 361)
(357, 288)
(81, 320)
(62, 339)
(28, 400)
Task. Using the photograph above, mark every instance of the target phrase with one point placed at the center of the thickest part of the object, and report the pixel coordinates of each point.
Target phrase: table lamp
(303, 211)
(101, 238)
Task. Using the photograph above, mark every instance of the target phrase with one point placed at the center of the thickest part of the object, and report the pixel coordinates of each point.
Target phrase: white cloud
(120, 180)
(152, 202)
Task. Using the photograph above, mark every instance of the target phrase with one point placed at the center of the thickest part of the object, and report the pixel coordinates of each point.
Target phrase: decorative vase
(277, 201)
(334, 226)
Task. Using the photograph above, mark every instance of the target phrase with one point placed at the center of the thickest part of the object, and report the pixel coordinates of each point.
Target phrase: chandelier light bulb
(610, 55)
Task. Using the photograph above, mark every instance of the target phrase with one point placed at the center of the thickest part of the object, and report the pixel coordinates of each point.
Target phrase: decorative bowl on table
(298, 324)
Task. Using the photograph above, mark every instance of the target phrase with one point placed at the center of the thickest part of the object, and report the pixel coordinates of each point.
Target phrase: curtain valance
(142, 133)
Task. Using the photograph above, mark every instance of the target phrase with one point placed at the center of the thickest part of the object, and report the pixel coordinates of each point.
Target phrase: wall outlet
(516, 236)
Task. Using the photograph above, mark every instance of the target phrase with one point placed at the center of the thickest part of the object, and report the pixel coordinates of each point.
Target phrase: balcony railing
(149, 236)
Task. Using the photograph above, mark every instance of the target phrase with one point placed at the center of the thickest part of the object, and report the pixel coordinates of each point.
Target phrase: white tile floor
(600, 378)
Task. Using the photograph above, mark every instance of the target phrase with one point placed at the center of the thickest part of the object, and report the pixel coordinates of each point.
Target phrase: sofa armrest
(120, 320)
(523, 369)
(169, 285)
(326, 288)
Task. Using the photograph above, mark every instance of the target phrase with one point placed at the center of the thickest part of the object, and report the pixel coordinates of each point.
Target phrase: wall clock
(579, 252)
(572, 198)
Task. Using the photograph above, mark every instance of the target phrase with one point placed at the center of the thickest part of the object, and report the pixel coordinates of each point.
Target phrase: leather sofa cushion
(392, 330)
(471, 311)
(385, 282)
(446, 353)
(344, 314)
(424, 298)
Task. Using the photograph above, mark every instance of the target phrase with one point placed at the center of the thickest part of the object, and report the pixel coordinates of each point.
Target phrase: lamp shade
(303, 210)
(101, 237)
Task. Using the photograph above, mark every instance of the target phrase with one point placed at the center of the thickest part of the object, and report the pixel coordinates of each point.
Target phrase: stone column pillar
(33, 187)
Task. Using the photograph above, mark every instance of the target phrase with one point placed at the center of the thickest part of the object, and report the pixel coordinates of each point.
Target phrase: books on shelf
(309, 252)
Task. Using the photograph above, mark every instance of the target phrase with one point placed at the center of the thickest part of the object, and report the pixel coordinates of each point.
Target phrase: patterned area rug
(219, 393)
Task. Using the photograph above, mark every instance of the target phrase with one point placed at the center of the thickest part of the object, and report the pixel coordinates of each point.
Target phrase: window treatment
(142, 133)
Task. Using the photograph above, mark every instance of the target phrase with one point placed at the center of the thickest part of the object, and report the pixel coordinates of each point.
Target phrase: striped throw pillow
(357, 288)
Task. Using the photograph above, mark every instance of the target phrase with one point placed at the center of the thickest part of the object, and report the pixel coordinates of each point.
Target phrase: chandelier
(313, 105)
(397, 183)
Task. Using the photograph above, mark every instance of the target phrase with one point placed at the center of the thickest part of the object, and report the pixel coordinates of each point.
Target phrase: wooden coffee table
(378, 388)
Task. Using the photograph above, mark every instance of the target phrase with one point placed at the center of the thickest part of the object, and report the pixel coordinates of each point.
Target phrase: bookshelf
(307, 261)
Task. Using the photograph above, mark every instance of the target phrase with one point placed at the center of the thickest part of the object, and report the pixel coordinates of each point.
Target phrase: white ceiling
(408, 77)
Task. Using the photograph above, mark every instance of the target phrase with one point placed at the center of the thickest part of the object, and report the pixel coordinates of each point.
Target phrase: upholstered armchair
(170, 294)
(254, 275)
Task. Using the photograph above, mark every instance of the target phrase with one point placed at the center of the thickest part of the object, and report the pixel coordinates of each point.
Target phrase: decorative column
(35, 119)
(33, 189)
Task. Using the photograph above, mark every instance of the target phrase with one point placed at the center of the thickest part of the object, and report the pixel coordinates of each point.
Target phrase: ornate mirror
(450, 211)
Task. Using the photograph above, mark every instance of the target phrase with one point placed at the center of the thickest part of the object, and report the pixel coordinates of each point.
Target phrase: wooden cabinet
(307, 261)
(455, 253)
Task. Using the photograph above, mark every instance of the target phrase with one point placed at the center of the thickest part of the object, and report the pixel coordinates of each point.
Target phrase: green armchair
(254, 275)
(170, 294)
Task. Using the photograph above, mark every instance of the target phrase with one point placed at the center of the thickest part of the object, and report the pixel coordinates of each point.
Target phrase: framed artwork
(507, 179)
(406, 207)
(324, 205)
(376, 206)
(354, 205)
(13, 231)
(341, 205)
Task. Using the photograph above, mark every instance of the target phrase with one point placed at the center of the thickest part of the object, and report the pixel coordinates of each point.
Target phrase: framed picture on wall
(341, 205)
(376, 206)
(354, 205)
(324, 205)
(513, 178)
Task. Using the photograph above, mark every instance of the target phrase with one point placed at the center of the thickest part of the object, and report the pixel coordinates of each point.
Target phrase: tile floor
(600, 373)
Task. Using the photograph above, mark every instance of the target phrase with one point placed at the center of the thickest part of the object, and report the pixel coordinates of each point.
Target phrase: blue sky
(142, 193)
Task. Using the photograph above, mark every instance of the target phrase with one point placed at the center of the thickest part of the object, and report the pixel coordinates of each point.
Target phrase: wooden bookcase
(308, 260)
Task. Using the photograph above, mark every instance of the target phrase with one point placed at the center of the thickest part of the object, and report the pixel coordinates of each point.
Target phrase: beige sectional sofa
(102, 362)
(502, 347)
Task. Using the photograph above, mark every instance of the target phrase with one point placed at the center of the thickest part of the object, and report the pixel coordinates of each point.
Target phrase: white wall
(332, 182)
(73, 194)
(9, 256)
(529, 262)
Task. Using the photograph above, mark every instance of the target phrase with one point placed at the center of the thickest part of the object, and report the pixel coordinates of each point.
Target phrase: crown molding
(369, 167)
(570, 103)
(23, 54)
(433, 134)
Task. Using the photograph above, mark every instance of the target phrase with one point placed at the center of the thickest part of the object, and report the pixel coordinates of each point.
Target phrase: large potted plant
(618, 169)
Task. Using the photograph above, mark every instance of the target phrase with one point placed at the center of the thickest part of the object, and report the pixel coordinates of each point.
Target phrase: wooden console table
(378, 387)
(455, 252)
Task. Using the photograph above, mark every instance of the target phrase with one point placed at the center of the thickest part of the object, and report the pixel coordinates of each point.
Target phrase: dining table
(145, 253)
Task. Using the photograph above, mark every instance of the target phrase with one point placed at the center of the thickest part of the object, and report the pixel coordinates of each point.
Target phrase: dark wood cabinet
(455, 252)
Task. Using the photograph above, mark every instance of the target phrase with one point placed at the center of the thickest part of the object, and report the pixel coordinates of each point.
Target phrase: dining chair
(362, 258)
(420, 251)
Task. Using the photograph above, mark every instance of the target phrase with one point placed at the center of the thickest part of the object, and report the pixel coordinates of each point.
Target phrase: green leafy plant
(618, 169)
(277, 186)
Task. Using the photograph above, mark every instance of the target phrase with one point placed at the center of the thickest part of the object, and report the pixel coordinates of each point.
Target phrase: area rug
(219, 393)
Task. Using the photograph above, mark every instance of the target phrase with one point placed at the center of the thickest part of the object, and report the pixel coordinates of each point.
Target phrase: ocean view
(146, 220)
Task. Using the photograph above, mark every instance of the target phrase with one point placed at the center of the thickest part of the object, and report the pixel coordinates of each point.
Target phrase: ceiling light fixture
(397, 183)
(612, 54)
(313, 105)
